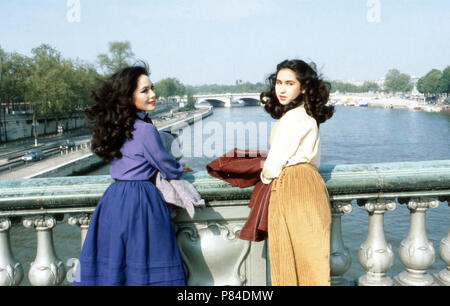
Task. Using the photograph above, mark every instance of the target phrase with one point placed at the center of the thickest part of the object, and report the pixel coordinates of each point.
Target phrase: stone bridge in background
(228, 99)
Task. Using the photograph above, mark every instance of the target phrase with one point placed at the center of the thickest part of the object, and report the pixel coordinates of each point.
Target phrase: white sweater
(296, 140)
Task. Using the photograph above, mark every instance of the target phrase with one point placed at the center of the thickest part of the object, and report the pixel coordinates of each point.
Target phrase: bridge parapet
(42, 204)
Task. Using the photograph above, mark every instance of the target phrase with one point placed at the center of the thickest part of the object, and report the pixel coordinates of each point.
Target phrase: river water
(354, 135)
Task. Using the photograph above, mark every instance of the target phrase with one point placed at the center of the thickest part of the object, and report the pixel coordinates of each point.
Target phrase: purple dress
(130, 240)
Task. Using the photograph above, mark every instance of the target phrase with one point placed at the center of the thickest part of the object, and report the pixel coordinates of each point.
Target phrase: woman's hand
(186, 168)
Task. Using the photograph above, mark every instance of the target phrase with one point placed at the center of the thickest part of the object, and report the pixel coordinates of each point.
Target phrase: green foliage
(397, 82)
(430, 83)
(169, 87)
(53, 86)
(81, 78)
(435, 82)
(370, 86)
(120, 56)
(190, 101)
(346, 87)
(15, 69)
(46, 89)
(221, 89)
(444, 82)
(2, 61)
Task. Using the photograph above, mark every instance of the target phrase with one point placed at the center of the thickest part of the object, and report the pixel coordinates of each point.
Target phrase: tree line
(52, 86)
(348, 87)
(433, 83)
(59, 87)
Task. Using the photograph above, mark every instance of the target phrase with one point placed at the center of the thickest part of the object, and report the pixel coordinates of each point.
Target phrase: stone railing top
(427, 178)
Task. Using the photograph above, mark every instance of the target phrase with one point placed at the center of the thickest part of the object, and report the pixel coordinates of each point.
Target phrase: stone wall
(20, 126)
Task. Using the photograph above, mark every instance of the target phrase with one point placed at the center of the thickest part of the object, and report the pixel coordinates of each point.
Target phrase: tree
(169, 87)
(3, 132)
(444, 83)
(15, 70)
(121, 56)
(397, 82)
(80, 78)
(52, 86)
(345, 87)
(2, 61)
(190, 101)
(370, 86)
(47, 91)
(430, 83)
(47, 88)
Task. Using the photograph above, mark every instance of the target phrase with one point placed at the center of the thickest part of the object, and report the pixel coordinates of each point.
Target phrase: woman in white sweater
(299, 209)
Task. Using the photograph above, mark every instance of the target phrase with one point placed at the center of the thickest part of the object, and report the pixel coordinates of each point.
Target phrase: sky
(221, 41)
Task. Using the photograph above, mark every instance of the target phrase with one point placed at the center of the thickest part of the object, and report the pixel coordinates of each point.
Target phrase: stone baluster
(416, 252)
(213, 254)
(82, 221)
(340, 258)
(375, 254)
(47, 269)
(443, 277)
(11, 271)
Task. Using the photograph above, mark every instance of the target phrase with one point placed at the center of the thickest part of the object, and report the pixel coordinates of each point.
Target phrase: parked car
(33, 155)
(67, 145)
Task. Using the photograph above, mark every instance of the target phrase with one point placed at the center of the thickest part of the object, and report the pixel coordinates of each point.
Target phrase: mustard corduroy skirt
(299, 228)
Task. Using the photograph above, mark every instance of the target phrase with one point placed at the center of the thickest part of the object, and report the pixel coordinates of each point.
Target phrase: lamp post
(35, 124)
(3, 109)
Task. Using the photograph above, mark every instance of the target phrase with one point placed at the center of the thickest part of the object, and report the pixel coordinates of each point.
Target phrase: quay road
(10, 154)
(32, 168)
(11, 166)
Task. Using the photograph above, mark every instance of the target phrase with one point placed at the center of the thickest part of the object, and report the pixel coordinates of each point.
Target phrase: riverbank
(385, 101)
(84, 160)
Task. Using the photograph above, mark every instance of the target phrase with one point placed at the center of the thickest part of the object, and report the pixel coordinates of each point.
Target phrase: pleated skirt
(299, 228)
(130, 240)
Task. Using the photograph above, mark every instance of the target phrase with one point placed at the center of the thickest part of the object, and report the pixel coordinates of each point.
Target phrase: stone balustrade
(209, 244)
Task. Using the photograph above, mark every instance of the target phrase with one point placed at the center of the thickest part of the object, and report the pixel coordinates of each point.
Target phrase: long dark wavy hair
(315, 98)
(113, 112)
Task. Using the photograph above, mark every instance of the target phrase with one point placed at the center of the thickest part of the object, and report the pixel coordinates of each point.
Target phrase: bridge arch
(250, 101)
(215, 102)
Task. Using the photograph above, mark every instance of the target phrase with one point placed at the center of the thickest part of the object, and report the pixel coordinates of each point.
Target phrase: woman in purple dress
(130, 240)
